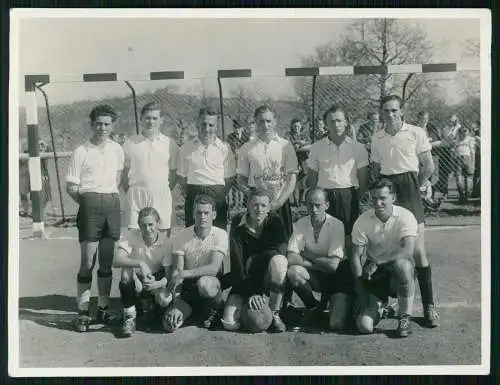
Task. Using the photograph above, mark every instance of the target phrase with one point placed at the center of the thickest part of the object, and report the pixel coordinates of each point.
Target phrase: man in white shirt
(339, 165)
(197, 252)
(206, 165)
(150, 168)
(402, 153)
(269, 162)
(92, 181)
(316, 261)
(145, 258)
(384, 239)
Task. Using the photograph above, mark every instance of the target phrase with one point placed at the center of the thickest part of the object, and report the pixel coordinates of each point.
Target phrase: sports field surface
(47, 291)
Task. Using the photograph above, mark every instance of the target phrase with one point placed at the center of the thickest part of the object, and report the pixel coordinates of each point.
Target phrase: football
(256, 321)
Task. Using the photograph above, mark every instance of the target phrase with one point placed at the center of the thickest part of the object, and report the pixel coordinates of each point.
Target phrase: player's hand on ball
(151, 284)
(174, 283)
(145, 270)
(172, 320)
(256, 302)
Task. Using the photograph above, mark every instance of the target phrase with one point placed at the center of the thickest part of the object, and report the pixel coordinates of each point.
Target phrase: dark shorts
(98, 217)
(189, 292)
(256, 281)
(340, 281)
(344, 205)
(343, 280)
(217, 192)
(380, 284)
(408, 193)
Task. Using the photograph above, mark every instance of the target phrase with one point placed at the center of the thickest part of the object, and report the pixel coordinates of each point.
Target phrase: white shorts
(159, 198)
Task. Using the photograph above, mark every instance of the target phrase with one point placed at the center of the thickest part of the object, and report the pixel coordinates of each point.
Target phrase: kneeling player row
(186, 273)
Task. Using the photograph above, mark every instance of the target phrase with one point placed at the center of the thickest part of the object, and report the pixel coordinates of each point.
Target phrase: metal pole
(39, 87)
(34, 167)
(135, 106)
(221, 101)
(313, 109)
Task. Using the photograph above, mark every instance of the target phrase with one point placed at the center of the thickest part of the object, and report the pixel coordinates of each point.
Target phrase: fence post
(134, 99)
(39, 87)
(34, 166)
(313, 109)
(221, 101)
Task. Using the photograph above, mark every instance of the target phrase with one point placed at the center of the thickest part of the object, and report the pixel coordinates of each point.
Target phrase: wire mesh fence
(451, 102)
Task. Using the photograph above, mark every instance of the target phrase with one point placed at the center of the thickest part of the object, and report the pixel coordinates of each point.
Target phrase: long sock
(104, 281)
(405, 305)
(83, 293)
(305, 293)
(127, 293)
(275, 300)
(424, 277)
(130, 312)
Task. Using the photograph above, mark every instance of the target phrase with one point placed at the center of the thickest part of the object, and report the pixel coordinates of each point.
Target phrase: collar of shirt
(275, 138)
(216, 143)
(394, 214)
(202, 239)
(347, 140)
(105, 144)
(154, 138)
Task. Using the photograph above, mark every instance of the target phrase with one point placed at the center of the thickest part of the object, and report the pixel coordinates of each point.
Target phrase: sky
(197, 46)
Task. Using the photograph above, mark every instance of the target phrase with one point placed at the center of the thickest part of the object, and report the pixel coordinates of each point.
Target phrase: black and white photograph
(278, 191)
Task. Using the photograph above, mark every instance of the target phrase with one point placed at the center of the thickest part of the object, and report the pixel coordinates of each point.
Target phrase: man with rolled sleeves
(150, 169)
(269, 162)
(206, 165)
(402, 153)
(92, 181)
(339, 165)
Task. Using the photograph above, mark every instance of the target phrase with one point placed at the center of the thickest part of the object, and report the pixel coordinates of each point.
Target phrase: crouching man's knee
(365, 324)
(208, 287)
(297, 275)
(277, 271)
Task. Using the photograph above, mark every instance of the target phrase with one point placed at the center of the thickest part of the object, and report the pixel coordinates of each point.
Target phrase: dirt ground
(46, 307)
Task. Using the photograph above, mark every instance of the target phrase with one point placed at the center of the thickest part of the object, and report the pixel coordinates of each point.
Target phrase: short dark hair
(371, 113)
(315, 190)
(147, 211)
(204, 199)
(391, 97)
(264, 108)
(258, 192)
(207, 111)
(423, 112)
(332, 110)
(103, 110)
(152, 106)
(293, 121)
(382, 183)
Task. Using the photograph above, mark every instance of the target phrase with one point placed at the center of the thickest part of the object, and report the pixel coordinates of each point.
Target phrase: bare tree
(374, 42)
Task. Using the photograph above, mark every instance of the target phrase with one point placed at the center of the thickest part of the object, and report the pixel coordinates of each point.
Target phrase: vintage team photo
(244, 192)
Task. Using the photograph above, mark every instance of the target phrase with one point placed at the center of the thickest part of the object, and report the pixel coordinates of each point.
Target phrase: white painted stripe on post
(404, 68)
(38, 229)
(137, 76)
(66, 77)
(31, 108)
(341, 70)
(35, 173)
(468, 66)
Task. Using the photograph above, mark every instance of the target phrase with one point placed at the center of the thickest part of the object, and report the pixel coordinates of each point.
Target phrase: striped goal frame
(31, 81)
